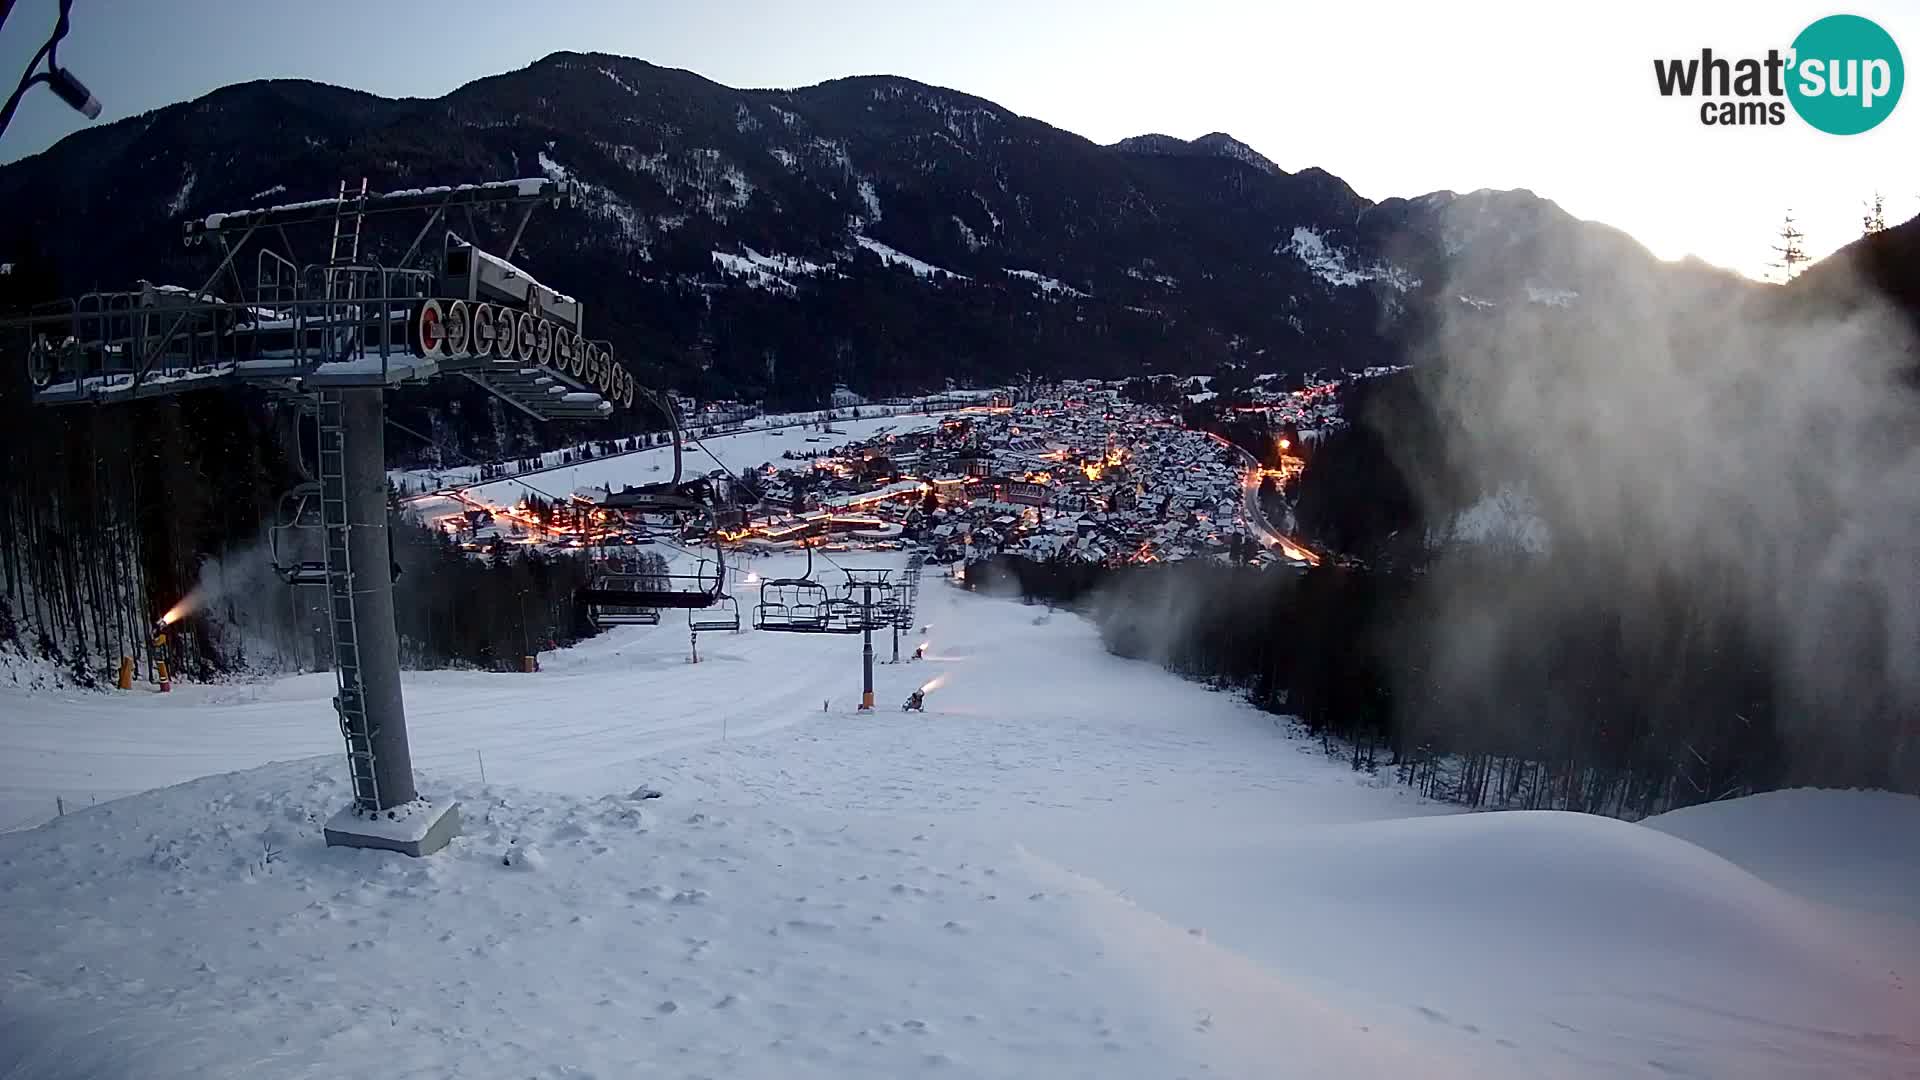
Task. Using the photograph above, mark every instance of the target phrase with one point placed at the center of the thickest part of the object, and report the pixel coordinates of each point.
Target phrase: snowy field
(896, 416)
(1069, 866)
(744, 450)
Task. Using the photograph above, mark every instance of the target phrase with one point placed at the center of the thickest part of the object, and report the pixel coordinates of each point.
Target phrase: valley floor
(1070, 865)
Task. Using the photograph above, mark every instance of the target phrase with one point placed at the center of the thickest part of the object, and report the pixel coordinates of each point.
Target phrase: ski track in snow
(1070, 865)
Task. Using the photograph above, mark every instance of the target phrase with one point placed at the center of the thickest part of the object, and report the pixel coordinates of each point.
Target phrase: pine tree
(1875, 219)
(1792, 254)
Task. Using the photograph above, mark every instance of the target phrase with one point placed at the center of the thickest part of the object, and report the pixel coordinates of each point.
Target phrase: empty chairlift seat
(792, 605)
(724, 615)
(614, 600)
(618, 597)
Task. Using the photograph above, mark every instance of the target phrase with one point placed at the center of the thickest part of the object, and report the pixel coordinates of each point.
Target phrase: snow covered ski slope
(1069, 866)
(743, 450)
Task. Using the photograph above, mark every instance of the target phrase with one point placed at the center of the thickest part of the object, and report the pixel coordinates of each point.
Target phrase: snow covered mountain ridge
(1216, 144)
(692, 194)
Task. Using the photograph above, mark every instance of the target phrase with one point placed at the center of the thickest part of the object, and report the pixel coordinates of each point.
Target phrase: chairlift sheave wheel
(458, 324)
(506, 337)
(524, 334)
(484, 330)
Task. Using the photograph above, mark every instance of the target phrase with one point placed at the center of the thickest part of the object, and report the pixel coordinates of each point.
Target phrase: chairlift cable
(752, 489)
(831, 561)
(464, 459)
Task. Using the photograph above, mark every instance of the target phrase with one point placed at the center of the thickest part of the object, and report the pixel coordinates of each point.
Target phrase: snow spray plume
(1151, 612)
(238, 602)
(1697, 443)
(988, 577)
(207, 591)
(188, 604)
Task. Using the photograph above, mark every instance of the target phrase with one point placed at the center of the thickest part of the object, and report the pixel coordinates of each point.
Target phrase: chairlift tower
(333, 337)
(906, 594)
(866, 581)
(803, 606)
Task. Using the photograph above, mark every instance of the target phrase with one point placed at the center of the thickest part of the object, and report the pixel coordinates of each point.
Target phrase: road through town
(1256, 514)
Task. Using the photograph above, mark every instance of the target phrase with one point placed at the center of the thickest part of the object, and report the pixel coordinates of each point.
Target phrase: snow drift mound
(1852, 849)
(1532, 924)
(1545, 878)
(1524, 944)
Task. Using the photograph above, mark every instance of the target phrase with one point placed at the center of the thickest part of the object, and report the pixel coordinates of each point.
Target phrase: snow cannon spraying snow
(160, 673)
(916, 702)
(195, 599)
(188, 604)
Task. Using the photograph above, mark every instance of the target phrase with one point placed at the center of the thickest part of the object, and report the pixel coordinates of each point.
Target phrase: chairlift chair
(792, 605)
(723, 615)
(798, 605)
(614, 598)
(845, 616)
(625, 597)
(294, 514)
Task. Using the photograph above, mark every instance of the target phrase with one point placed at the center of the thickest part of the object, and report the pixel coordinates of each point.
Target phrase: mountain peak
(1225, 145)
(1214, 144)
(1151, 143)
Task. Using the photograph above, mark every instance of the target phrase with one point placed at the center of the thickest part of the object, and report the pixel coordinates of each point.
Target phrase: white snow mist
(1748, 441)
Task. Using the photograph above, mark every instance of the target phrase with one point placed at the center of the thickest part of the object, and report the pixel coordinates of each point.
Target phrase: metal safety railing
(150, 339)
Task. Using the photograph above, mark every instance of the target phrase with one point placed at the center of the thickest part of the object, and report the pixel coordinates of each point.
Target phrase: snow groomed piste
(1069, 865)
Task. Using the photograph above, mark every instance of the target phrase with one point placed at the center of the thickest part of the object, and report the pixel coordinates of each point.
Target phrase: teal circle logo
(1846, 74)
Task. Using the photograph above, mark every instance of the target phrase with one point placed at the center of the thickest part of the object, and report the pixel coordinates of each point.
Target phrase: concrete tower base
(416, 828)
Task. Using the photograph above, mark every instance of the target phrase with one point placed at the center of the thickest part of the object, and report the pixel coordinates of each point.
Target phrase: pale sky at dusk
(1396, 98)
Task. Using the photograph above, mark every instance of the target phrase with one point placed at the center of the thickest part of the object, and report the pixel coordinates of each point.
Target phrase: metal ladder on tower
(347, 238)
(342, 326)
(351, 703)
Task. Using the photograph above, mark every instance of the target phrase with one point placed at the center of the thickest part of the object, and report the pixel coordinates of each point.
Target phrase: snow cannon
(917, 701)
(160, 673)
